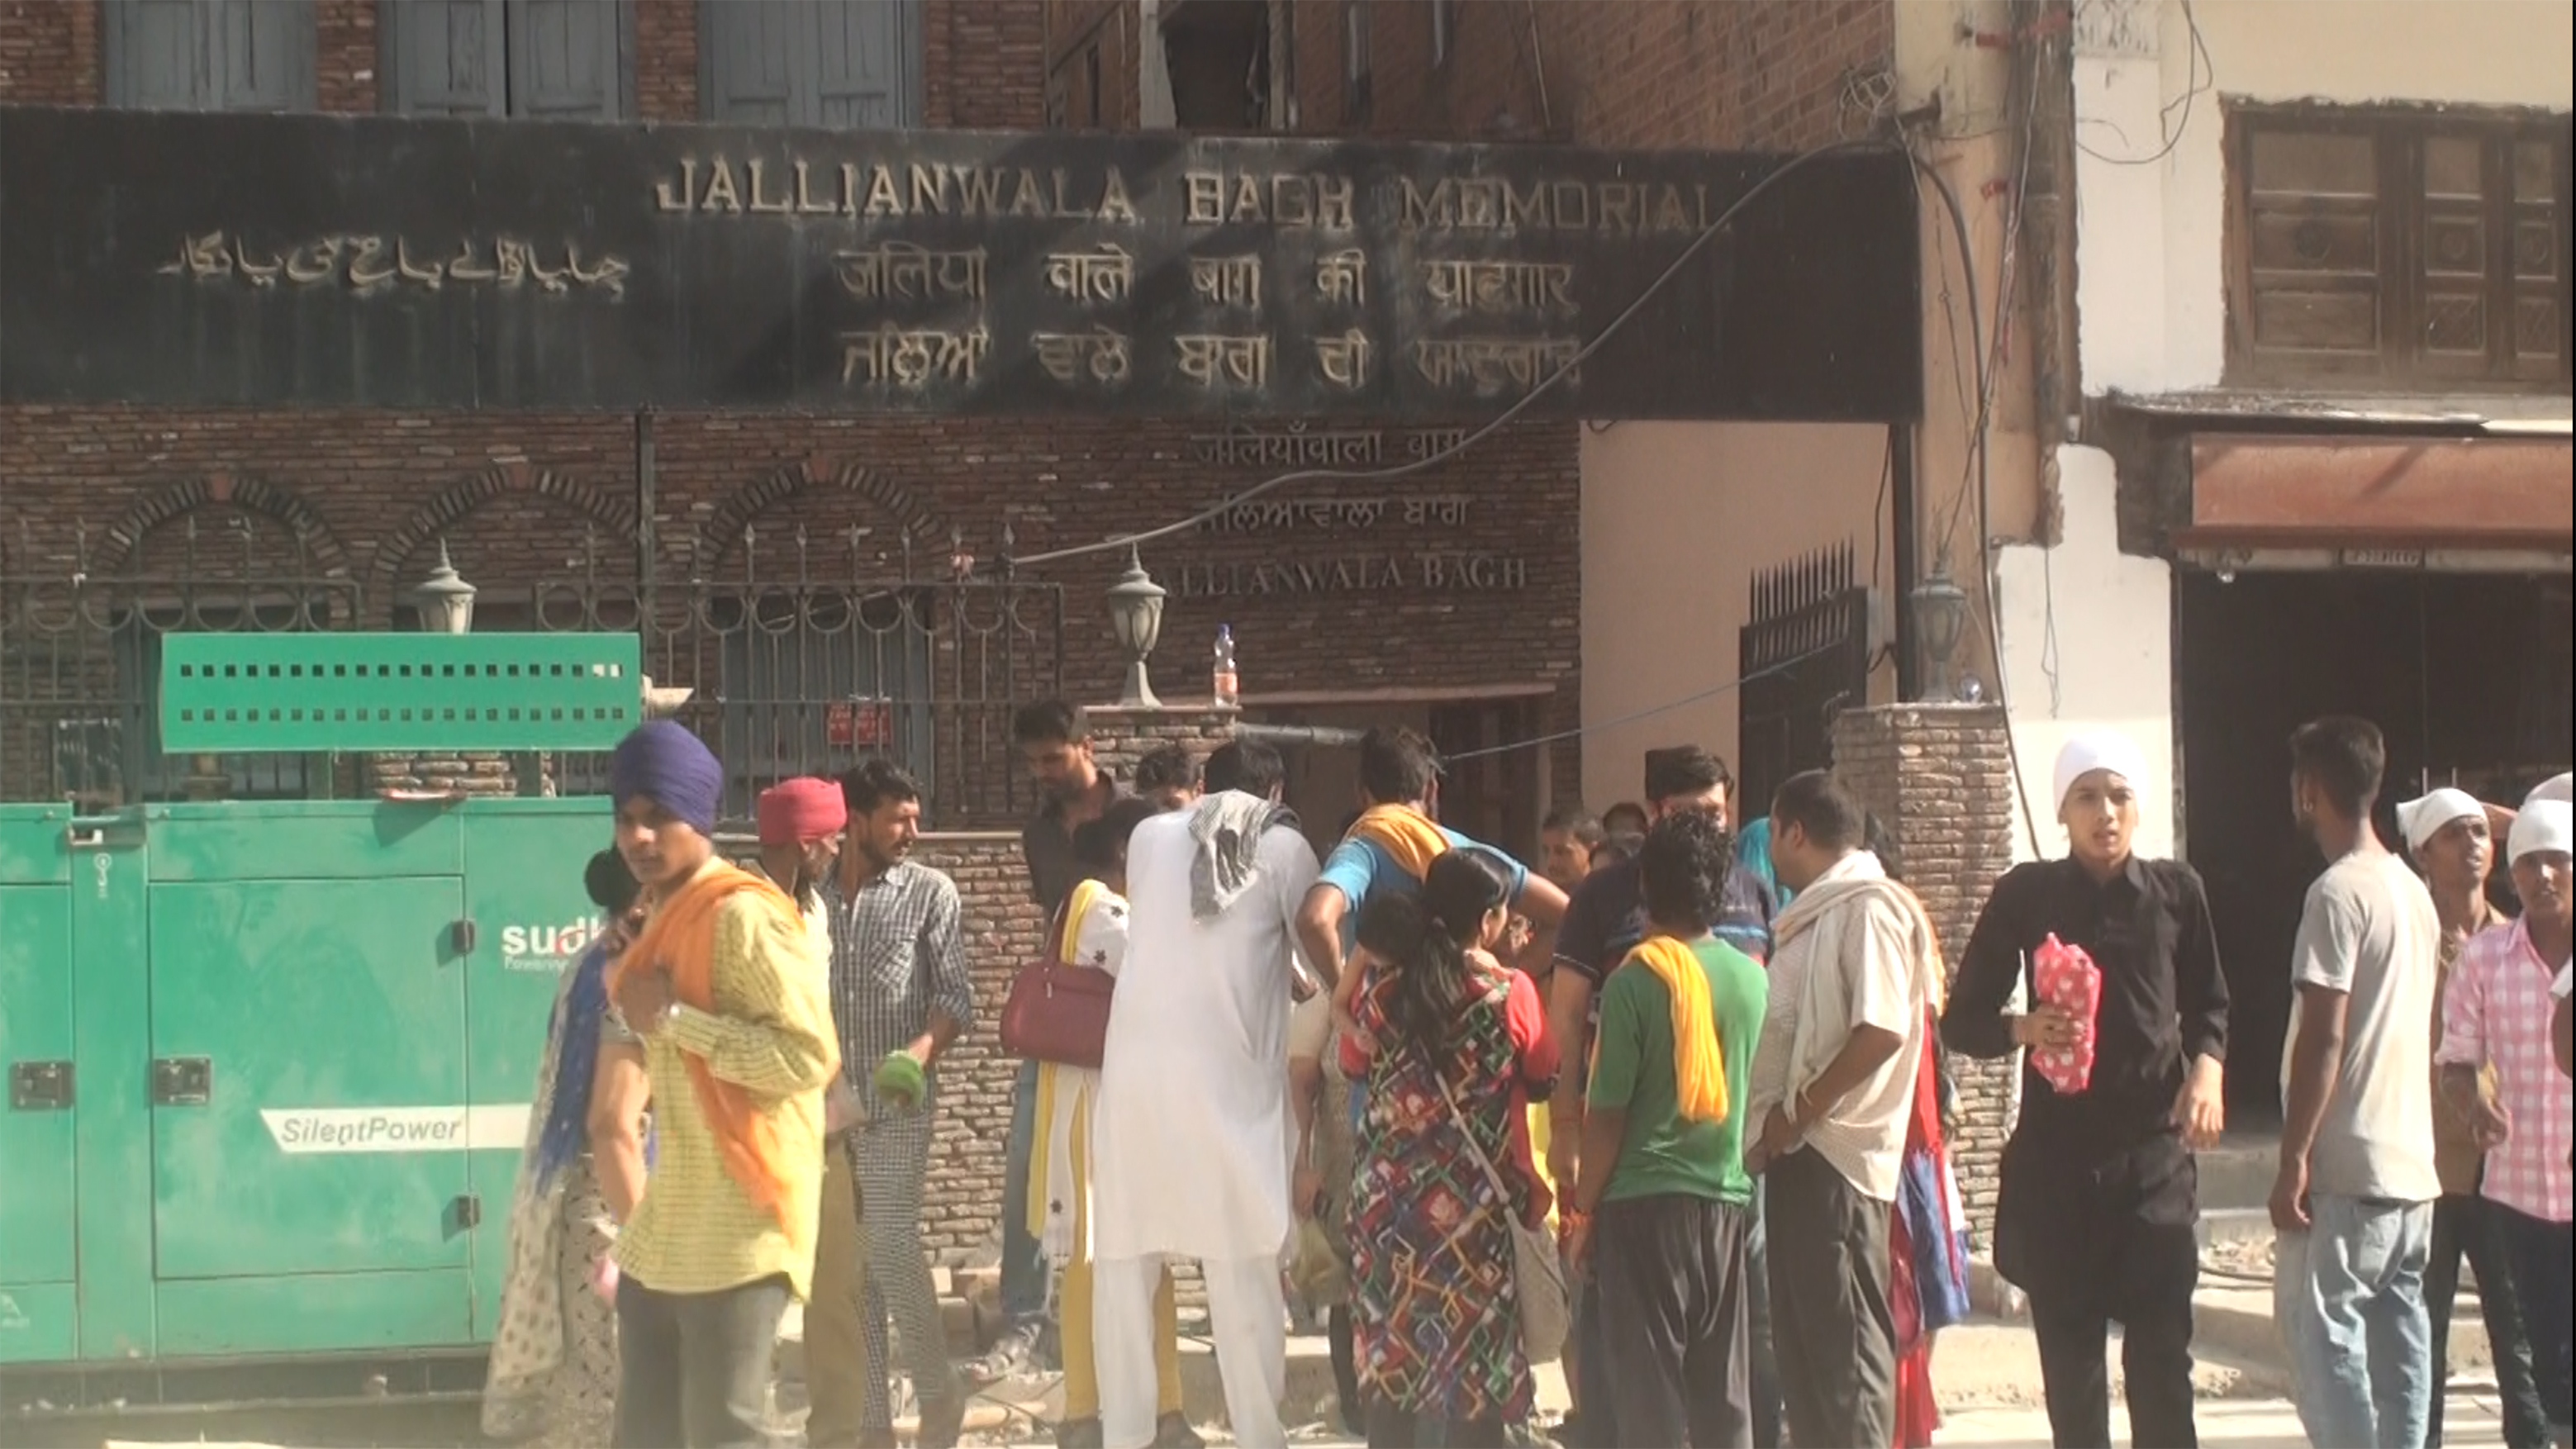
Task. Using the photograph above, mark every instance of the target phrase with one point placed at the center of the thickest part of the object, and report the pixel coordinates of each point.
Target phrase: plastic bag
(2068, 980)
(1314, 1269)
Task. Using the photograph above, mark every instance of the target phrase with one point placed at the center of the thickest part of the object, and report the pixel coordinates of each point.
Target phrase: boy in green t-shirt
(1662, 1190)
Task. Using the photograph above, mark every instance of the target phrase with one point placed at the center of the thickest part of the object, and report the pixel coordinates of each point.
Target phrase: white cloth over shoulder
(1191, 1122)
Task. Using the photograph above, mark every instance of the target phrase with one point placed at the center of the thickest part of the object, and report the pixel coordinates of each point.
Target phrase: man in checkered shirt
(2498, 1012)
(899, 989)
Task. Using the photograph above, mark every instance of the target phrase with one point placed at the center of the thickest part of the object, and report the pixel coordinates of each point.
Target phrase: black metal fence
(1803, 655)
(804, 672)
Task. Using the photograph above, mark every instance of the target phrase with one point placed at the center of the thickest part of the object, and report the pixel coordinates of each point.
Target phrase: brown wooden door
(1495, 797)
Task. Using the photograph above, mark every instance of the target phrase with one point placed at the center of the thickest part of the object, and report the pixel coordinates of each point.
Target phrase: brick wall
(48, 52)
(1004, 931)
(530, 499)
(1755, 74)
(1940, 776)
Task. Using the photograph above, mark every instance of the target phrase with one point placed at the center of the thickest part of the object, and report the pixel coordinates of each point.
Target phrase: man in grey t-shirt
(2354, 1200)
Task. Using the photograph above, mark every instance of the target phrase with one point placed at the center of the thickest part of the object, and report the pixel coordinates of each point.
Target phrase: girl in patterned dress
(552, 1378)
(1450, 1042)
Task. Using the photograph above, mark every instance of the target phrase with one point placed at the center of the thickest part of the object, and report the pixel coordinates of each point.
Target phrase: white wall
(1677, 517)
(2087, 646)
(2151, 298)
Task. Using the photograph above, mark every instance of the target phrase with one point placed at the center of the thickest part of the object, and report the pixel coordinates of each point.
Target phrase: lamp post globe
(444, 599)
(1136, 617)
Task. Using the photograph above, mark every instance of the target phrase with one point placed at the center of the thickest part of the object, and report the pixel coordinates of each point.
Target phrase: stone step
(2233, 1227)
(2236, 1318)
(2238, 1173)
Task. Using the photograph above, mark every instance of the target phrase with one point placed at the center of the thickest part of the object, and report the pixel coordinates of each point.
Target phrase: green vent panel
(288, 693)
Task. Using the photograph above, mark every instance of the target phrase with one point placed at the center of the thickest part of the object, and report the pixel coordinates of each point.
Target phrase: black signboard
(233, 259)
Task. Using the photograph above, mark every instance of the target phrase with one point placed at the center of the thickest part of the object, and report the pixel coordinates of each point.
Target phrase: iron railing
(804, 669)
(1803, 655)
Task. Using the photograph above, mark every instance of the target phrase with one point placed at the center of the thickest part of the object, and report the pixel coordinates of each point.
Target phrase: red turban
(793, 812)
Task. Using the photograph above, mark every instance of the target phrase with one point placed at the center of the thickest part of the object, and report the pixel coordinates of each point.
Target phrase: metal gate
(1803, 654)
(802, 673)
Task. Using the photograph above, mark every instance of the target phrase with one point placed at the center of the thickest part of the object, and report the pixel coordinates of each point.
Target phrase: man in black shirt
(1055, 742)
(2099, 1194)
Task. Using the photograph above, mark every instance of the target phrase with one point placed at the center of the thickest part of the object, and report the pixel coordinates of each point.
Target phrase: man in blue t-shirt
(1391, 845)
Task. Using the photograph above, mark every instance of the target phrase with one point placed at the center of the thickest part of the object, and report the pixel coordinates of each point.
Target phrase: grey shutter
(567, 59)
(156, 55)
(752, 53)
(211, 55)
(835, 63)
(444, 57)
(860, 64)
(262, 55)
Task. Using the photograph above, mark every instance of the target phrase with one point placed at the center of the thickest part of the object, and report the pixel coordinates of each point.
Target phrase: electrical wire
(1491, 426)
(1579, 731)
(2196, 65)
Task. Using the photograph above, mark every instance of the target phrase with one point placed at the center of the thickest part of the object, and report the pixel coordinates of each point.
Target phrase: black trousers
(1597, 1417)
(693, 1368)
(2464, 1227)
(2074, 1332)
(2095, 1245)
(1392, 1428)
(2542, 1254)
(1346, 1368)
(1831, 1328)
(1676, 1320)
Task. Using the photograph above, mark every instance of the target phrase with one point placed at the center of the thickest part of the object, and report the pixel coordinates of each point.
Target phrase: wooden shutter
(210, 55)
(567, 59)
(861, 80)
(156, 53)
(835, 63)
(262, 55)
(752, 52)
(444, 57)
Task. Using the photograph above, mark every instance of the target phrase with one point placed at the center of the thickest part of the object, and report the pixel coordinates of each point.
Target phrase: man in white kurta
(1191, 1130)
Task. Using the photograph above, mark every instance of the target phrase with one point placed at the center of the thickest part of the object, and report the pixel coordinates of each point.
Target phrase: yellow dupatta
(1699, 1063)
(1043, 1147)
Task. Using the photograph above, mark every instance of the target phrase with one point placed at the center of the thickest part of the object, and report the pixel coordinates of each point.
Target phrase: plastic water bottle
(1228, 687)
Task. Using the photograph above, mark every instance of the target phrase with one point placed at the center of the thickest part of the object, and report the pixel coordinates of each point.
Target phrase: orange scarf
(681, 934)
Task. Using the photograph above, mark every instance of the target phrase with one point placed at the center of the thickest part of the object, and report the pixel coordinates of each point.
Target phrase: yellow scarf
(1699, 1064)
(1404, 833)
(1076, 906)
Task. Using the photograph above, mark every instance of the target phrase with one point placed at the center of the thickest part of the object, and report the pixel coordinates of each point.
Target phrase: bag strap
(1493, 1176)
(1502, 1194)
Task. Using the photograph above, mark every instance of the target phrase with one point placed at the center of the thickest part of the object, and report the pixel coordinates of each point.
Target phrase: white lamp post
(1136, 616)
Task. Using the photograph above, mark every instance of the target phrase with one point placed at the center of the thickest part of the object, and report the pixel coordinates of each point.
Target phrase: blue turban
(663, 760)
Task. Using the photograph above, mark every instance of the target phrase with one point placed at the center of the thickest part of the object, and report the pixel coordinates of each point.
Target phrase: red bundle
(2069, 981)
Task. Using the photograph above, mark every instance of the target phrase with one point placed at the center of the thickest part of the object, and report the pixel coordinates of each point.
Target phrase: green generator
(269, 1063)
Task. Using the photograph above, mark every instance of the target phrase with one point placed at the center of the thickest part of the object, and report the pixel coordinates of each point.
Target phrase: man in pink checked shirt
(2498, 1012)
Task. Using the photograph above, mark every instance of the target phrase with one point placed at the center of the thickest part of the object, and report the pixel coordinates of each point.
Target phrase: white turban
(2421, 820)
(2100, 750)
(2543, 825)
(2562, 789)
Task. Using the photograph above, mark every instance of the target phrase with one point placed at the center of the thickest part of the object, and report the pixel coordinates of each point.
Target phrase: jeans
(2349, 1296)
(1757, 1300)
(693, 1368)
(1024, 1265)
(2465, 1227)
(2541, 1254)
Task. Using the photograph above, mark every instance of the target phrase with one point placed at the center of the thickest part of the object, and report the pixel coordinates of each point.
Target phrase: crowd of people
(1674, 1107)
